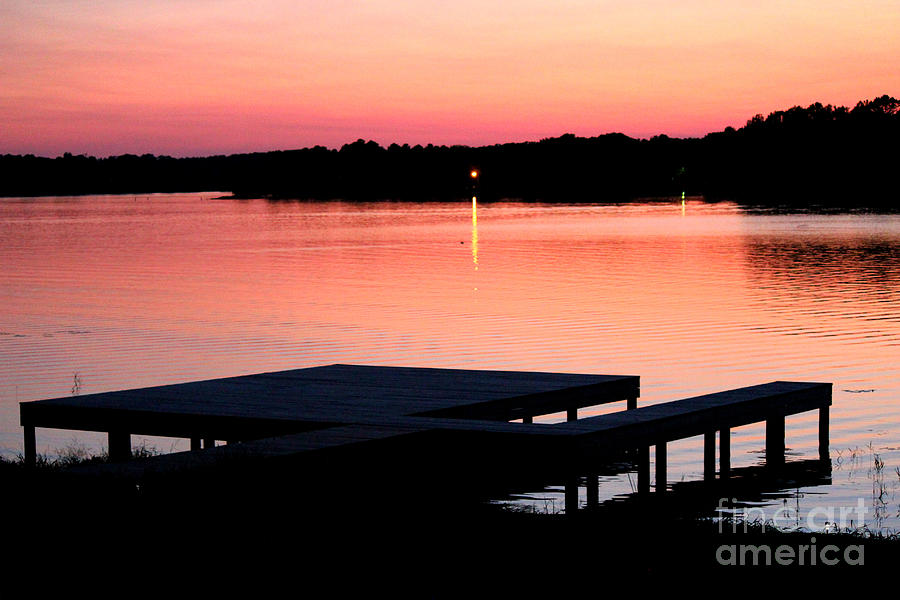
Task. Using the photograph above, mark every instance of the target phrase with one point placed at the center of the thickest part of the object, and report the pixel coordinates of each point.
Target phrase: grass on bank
(73, 455)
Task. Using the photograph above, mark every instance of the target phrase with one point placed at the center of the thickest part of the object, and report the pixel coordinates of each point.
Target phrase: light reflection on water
(695, 298)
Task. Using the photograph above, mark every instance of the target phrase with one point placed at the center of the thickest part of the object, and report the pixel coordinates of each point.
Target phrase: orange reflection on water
(127, 293)
(475, 231)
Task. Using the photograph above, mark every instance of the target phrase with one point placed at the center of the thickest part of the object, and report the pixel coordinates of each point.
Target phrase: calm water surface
(112, 292)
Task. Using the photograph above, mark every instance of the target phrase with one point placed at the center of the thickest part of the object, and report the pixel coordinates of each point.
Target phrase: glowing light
(474, 175)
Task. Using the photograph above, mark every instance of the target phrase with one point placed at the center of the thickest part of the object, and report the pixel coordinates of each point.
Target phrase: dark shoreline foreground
(359, 530)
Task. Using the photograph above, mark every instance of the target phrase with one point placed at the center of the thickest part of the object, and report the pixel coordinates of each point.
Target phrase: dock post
(528, 419)
(631, 403)
(824, 453)
(572, 414)
(195, 443)
(30, 447)
(775, 440)
(660, 460)
(593, 490)
(119, 445)
(209, 443)
(724, 453)
(709, 456)
(571, 496)
(643, 465)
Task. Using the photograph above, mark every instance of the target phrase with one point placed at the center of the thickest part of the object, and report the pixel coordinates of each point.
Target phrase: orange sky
(218, 76)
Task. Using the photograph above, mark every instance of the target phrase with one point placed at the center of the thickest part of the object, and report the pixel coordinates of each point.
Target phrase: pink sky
(203, 77)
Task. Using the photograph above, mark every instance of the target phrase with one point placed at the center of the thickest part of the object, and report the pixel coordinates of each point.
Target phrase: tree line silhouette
(813, 154)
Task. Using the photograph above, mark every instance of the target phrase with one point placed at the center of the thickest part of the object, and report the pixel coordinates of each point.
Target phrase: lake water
(112, 292)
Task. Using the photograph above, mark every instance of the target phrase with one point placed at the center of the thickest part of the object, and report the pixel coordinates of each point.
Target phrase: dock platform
(266, 405)
(311, 412)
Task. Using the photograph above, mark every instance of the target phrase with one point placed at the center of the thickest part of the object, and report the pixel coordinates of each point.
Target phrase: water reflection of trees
(818, 268)
(841, 287)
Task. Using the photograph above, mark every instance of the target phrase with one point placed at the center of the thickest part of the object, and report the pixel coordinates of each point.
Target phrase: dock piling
(709, 456)
(660, 461)
(643, 465)
(593, 490)
(119, 446)
(30, 446)
(775, 440)
(824, 453)
(724, 453)
(571, 496)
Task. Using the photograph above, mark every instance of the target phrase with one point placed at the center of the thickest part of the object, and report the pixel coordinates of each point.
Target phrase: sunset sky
(203, 77)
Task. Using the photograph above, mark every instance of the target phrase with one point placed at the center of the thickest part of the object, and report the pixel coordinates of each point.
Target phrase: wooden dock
(266, 405)
(316, 412)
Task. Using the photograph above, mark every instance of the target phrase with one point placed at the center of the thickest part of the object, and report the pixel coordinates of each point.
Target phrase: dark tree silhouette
(817, 154)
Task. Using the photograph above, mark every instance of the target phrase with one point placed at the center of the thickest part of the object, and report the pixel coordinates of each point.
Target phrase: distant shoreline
(812, 205)
(817, 154)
